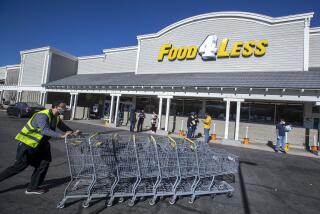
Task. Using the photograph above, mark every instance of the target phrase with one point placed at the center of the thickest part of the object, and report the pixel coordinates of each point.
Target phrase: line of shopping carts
(128, 166)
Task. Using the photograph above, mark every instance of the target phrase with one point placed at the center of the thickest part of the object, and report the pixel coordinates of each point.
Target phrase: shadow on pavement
(48, 184)
(244, 195)
(56, 182)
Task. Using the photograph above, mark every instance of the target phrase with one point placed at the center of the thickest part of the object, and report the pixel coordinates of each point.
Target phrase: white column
(306, 44)
(44, 99)
(226, 127)
(236, 134)
(117, 109)
(167, 114)
(71, 102)
(18, 98)
(160, 113)
(40, 100)
(1, 97)
(111, 109)
(74, 106)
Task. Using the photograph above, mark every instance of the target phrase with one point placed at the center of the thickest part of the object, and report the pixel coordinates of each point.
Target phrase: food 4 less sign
(211, 50)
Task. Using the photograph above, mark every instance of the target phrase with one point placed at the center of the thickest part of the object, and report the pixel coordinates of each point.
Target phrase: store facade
(245, 69)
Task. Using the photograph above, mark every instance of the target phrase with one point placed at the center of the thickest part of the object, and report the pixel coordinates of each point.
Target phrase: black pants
(153, 127)
(140, 124)
(132, 125)
(39, 158)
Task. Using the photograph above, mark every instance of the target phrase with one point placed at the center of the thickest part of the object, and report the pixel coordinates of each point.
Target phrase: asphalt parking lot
(267, 183)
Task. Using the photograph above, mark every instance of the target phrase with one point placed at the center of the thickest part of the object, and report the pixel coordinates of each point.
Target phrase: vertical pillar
(40, 100)
(275, 114)
(167, 114)
(111, 109)
(117, 109)
(236, 134)
(1, 97)
(44, 99)
(18, 98)
(226, 127)
(203, 109)
(134, 102)
(71, 102)
(160, 113)
(74, 106)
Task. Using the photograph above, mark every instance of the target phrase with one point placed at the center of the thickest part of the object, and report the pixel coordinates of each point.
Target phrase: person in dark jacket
(34, 147)
(132, 120)
(195, 122)
(141, 117)
(189, 125)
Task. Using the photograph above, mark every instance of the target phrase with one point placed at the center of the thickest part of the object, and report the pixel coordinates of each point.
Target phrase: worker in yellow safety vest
(206, 127)
(34, 147)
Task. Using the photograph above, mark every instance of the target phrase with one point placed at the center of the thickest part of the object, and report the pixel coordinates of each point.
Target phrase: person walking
(195, 122)
(132, 120)
(34, 147)
(154, 122)
(189, 125)
(206, 127)
(281, 134)
(141, 117)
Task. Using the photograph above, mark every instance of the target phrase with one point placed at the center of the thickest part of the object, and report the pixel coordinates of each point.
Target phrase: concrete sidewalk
(294, 150)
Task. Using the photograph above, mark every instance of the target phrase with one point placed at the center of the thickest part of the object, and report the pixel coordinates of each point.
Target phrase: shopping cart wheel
(60, 205)
(192, 199)
(85, 204)
(172, 200)
(230, 194)
(131, 203)
(213, 196)
(152, 201)
(121, 199)
(220, 187)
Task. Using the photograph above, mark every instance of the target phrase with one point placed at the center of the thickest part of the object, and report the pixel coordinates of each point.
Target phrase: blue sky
(83, 28)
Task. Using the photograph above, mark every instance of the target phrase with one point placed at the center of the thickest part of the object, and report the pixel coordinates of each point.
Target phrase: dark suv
(24, 109)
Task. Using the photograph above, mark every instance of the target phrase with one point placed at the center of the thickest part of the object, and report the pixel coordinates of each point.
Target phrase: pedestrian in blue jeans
(189, 126)
(281, 134)
(206, 127)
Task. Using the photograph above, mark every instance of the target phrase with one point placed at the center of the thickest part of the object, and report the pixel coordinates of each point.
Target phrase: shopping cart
(148, 169)
(127, 172)
(80, 166)
(114, 166)
(168, 167)
(211, 165)
(103, 159)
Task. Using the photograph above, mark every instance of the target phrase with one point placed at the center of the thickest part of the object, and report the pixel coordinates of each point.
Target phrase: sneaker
(38, 191)
(283, 151)
(275, 150)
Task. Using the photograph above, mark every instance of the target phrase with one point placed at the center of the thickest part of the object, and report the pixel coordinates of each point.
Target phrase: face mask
(61, 111)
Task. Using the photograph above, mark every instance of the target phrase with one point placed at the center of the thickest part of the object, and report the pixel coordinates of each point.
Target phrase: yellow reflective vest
(207, 122)
(31, 135)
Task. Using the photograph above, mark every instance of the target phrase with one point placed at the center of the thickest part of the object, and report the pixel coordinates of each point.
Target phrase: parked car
(24, 109)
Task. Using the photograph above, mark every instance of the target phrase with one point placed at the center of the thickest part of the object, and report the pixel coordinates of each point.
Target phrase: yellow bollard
(181, 133)
(286, 147)
(213, 136)
(246, 140)
(314, 148)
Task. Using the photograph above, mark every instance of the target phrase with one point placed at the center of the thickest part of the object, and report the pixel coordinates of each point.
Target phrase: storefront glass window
(217, 109)
(291, 113)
